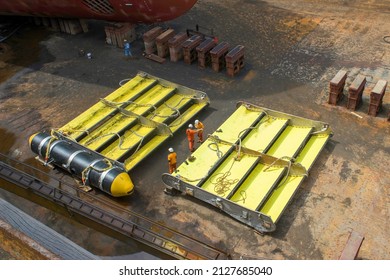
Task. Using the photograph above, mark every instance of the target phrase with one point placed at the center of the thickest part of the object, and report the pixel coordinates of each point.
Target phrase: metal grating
(99, 6)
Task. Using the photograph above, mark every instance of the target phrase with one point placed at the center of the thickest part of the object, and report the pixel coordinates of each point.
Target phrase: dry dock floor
(292, 50)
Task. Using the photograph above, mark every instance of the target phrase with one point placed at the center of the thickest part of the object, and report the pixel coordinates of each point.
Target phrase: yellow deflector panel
(252, 165)
(127, 125)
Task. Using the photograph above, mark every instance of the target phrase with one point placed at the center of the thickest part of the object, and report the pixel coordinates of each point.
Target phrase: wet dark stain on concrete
(276, 251)
(172, 211)
(27, 119)
(321, 197)
(355, 175)
(347, 202)
(303, 242)
(345, 171)
(279, 252)
(7, 140)
(24, 51)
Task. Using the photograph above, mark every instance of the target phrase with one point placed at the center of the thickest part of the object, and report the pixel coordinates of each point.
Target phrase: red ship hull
(135, 11)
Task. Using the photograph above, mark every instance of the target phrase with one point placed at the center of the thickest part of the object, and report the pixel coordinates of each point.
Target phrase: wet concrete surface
(292, 50)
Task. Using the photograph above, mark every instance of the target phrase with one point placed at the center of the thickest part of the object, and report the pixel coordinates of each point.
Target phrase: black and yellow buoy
(93, 169)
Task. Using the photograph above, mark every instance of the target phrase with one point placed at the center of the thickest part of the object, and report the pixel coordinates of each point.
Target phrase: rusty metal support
(235, 60)
(175, 46)
(155, 58)
(352, 248)
(116, 33)
(376, 97)
(336, 87)
(355, 92)
(162, 42)
(189, 48)
(218, 56)
(149, 38)
(204, 56)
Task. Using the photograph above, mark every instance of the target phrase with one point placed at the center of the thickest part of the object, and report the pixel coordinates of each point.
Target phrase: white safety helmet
(170, 150)
(196, 122)
(190, 125)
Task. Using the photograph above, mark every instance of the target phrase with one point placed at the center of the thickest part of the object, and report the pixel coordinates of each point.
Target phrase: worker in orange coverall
(172, 159)
(191, 136)
(199, 126)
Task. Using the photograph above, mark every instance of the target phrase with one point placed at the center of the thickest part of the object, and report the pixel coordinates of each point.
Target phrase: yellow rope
(84, 172)
(52, 139)
(222, 184)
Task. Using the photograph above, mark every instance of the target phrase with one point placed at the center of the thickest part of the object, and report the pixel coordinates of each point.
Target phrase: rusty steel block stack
(355, 92)
(116, 33)
(192, 47)
(110, 35)
(126, 31)
(175, 46)
(162, 42)
(189, 48)
(218, 54)
(235, 60)
(336, 87)
(204, 56)
(376, 97)
(149, 38)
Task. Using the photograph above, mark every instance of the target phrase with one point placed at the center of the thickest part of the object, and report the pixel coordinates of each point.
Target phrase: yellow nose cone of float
(122, 185)
(31, 138)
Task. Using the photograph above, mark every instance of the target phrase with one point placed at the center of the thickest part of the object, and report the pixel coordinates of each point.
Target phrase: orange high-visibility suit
(172, 159)
(191, 138)
(199, 126)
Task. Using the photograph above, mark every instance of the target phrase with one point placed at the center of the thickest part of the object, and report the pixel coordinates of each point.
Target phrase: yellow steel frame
(135, 119)
(251, 161)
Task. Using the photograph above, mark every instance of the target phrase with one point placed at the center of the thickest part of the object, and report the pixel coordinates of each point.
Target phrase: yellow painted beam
(260, 182)
(99, 111)
(312, 149)
(241, 120)
(225, 178)
(186, 116)
(232, 171)
(264, 135)
(131, 139)
(256, 188)
(145, 150)
(287, 145)
(107, 132)
(205, 158)
(120, 121)
(209, 153)
(281, 197)
(135, 138)
(171, 108)
(289, 142)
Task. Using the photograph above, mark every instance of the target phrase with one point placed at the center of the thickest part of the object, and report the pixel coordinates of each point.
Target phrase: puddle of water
(20, 51)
